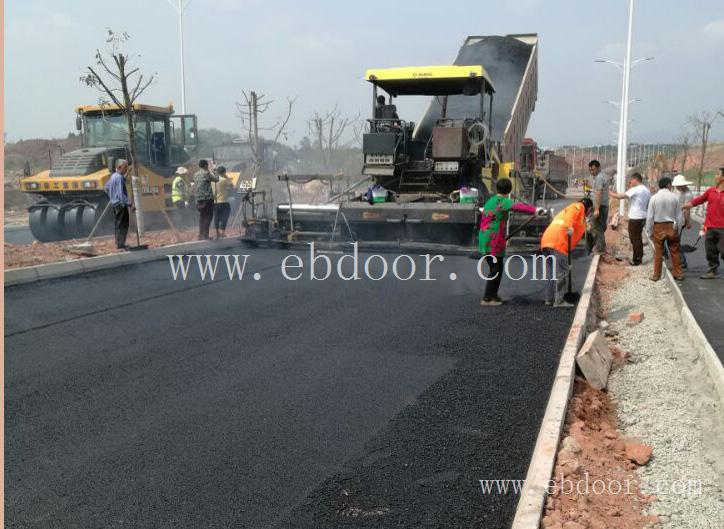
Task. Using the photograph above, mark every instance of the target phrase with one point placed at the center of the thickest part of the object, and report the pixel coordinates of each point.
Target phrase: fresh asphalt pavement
(705, 297)
(133, 400)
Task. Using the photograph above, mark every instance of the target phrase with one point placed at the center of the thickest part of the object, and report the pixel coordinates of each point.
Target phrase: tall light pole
(179, 7)
(622, 161)
(623, 139)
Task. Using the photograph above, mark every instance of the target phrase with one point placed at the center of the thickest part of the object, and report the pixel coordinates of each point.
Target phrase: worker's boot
(492, 302)
(563, 305)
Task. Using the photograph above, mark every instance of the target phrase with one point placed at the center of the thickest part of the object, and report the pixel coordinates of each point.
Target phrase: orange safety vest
(555, 236)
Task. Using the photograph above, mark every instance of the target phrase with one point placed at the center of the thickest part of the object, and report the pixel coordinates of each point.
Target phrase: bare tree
(685, 140)
(249, 111)
(120, 84)
(701, 126)
(328, 131)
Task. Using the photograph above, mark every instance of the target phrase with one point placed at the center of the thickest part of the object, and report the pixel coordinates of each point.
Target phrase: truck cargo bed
(512, 63)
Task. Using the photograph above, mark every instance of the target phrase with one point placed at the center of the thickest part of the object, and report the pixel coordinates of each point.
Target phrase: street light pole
(179, 8)
(623, 138)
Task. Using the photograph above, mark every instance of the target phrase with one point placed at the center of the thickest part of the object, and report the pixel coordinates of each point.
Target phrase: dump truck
(71, 195)
(428, 180)
(543, 172)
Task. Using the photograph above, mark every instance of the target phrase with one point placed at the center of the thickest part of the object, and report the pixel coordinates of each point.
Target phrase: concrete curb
(29, 274)
(706, 352)
(533, 497)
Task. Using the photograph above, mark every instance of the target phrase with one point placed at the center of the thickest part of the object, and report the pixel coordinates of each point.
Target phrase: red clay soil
(595, 487)
(49, 252)
(595, 460)
(613, 268)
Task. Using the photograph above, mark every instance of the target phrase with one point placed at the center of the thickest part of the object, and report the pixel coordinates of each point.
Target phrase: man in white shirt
(663, 219)
(638, 195)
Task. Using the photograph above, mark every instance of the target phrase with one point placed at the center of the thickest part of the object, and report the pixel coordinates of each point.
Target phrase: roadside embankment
(649, 450)
(39, 253)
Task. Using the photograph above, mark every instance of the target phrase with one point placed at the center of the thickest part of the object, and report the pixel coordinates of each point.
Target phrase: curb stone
(705, 351)
(533, 496)
(30, 274)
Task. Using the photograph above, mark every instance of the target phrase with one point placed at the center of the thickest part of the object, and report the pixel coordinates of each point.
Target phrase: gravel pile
(666, 399)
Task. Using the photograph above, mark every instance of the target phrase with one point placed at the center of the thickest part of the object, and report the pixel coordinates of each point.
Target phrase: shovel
(520, 228)
(570, 297)
(138, 246)
(475, 254)
(688, 248)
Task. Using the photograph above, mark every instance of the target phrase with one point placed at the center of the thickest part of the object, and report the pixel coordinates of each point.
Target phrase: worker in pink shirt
(491, 237)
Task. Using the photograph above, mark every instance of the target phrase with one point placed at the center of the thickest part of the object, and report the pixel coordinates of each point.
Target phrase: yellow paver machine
(426, 181)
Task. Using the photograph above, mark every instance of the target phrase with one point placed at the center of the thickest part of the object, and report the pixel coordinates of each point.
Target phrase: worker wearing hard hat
(681, 190)
(560, 237)
(179, 196)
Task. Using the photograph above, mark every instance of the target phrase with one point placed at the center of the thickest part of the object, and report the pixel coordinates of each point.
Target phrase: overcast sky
(318, 50)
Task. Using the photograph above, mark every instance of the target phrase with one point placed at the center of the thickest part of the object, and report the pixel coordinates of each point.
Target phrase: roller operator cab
(435, 166)
(71, 192)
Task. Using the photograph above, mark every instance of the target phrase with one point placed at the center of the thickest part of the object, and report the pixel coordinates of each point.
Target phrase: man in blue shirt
(118, 195)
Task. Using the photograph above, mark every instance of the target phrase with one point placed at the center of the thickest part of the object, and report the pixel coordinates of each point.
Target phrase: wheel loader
(71, 193)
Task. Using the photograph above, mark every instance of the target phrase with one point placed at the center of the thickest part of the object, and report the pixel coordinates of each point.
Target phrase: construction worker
(222, 208)
(684, 194)
(118, 195)
(561, 236)
(638, 195)
(664, 218)
(713, 223)
(491, 237)
(204, 197)
(178, 189)
(601, 185)
(386, 117)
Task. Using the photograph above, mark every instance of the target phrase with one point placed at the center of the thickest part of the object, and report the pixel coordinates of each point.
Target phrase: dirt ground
(49, 252)
(593, 453)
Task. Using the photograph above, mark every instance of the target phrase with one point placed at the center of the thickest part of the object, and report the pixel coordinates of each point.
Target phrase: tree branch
(108, 91)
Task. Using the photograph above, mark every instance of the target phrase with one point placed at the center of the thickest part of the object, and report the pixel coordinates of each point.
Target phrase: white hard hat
(182, 170)
(680, 180)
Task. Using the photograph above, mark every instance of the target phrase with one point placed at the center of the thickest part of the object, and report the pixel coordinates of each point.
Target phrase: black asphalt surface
(133, 400)
(705, 297)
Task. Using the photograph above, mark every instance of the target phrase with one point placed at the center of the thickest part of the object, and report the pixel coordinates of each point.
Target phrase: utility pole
(255, 128)
(179, 7)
